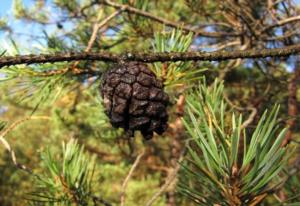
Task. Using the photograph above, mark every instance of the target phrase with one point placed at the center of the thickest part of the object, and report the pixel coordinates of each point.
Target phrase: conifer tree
(139, 102)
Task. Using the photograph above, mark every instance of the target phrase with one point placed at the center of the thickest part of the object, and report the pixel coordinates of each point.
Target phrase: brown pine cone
(134, 99)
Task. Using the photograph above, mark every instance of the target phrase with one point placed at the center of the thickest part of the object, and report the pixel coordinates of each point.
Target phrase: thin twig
(252, 115)
(100, 200)
(96, 28)
(125, 183)
(166, 22)
(250, 119)
(171, 177)
(100, 25)
(169, 180)
(9, 148)
(292, 104)
(150, 56)
(283, 22)
(295, 141)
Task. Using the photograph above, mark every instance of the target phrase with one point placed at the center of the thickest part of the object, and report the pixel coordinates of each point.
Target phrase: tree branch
(166, 22)
(98, 26)
(283, 22)
(150, 57)
(124, 185)
(171, 177)
(7, 146)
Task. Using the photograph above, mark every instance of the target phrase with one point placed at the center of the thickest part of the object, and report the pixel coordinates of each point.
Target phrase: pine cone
(134, 99)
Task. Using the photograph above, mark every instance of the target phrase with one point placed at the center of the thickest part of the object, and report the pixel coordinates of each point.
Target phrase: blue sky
(6, 9)
(6, 5)
(6, 12)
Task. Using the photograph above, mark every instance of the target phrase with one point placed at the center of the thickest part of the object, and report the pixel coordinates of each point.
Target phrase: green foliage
(34, 88)
(79, 119)
(4, 24)
(140, 4)
(291, 186)
(2, 125)
(30, 14)
(68, 5)
(38, 85)
(19, 9)
(175, 74)
(222, 168)
(68, 178)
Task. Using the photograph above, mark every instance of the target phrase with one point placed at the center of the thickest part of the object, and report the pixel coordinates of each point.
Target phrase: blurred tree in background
(226, 143)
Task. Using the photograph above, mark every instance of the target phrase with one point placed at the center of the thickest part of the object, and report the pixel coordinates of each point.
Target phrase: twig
(96, 28)
(166, 22)
(250, 119)
(292, 103)
(7, 145)
(99, 25)
(150, 57)
(17, 123)
(176, 153)
(100, 200)
(104, 156)
(168, 182)
(258, 199)
(283, 22)
(124, 185)
(295, 141)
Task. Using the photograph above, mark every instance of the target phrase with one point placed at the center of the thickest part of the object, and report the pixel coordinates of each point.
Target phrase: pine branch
(150, 56)
(166, 22)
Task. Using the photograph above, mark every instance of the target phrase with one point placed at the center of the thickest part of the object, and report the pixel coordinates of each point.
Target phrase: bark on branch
(149, 57)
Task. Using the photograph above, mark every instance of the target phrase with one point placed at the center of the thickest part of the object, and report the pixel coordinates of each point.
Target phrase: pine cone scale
(140, 92)
(123, 90)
